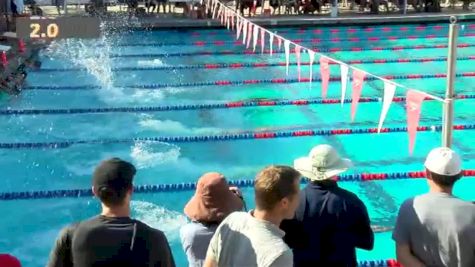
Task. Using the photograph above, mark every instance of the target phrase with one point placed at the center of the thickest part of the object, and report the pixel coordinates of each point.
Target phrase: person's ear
(284, 202)
(428, 175)
(94, 192)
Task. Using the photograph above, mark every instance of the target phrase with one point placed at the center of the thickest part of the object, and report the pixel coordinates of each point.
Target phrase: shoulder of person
(156, 233)
(283, 259)
(408, 203)
(92, 220)
(69, 229)
(66, 234)
(191, 229)
(352, 198)
(235, 216)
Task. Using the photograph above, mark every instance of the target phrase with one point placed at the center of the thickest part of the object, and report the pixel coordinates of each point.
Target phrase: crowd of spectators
(319, 225)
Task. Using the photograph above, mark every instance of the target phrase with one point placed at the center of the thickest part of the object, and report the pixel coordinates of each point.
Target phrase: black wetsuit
(111, 242)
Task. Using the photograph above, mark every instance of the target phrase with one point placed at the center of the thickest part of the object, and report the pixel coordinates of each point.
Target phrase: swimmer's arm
(405, 257)
(61, 253)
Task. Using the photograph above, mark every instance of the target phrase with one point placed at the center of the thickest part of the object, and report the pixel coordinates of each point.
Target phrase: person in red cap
(7, 260)
(213, 201)
(112, 238)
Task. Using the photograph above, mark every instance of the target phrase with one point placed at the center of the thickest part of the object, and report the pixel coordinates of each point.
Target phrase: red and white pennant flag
(287, 55)
(389, 90)
(255, 36)
(358, 79)
(244, 31)
(214, 8)
(239, 28)
(271, 42)
(263, 36)
(344, 81)
(249, 34)
(311, 59)
(233, 17)
(414, 100)
(325, 74)
(297, 56)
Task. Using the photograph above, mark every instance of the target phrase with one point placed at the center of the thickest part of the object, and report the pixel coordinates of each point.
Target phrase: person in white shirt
(254, 238)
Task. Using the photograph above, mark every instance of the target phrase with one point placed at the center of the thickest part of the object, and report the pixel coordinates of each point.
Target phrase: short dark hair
(112, 179)
(112, 197)
(443, 180)
(274, 183)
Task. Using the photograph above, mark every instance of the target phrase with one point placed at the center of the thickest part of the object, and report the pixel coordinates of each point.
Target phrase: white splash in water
(146, 154)
(151, 63)
(170, 126)
(93, 55)
(163, 125)
(138, 96)
(158, 217)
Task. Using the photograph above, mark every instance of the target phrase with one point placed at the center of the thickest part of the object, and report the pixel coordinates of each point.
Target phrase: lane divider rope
(311, 40)
(237, 65)
(191, 186)
(316, 49)
(248, 135)
(227, 105)
(242, 82)
(367, 30)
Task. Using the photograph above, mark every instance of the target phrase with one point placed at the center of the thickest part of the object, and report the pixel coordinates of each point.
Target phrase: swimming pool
(29, 227)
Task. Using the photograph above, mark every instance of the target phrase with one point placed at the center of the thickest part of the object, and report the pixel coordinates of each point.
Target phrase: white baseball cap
(443, 161)
(323, 162)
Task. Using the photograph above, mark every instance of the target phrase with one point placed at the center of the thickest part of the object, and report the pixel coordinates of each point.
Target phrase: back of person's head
(443, 166)
(113, 181)
(277, 186)
(213, 200)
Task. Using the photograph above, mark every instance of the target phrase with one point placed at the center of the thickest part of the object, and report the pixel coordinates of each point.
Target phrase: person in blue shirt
(330, 222)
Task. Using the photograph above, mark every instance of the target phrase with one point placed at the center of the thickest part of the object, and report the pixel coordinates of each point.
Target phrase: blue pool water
(28, 227)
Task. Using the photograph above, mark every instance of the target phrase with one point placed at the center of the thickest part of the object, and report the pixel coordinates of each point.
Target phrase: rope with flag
(248, 30)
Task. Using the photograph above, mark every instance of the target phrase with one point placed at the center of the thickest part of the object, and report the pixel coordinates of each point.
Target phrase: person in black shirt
(330, 222)
(112, 239)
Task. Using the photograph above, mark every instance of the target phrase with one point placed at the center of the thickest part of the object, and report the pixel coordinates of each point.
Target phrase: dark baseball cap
(113, 174)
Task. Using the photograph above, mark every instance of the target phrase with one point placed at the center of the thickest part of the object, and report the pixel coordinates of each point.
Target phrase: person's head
(323, 163)
(443, 167)
(277, 190)
(112, 182)
(213, 200)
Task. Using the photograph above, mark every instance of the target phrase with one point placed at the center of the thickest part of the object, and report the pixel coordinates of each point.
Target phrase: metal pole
(448, 113)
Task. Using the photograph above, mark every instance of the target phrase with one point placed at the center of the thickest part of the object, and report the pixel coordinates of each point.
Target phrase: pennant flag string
(280, 39)
(249, 30)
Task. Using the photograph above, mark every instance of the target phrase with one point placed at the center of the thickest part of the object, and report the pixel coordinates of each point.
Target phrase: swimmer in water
(12, 85)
